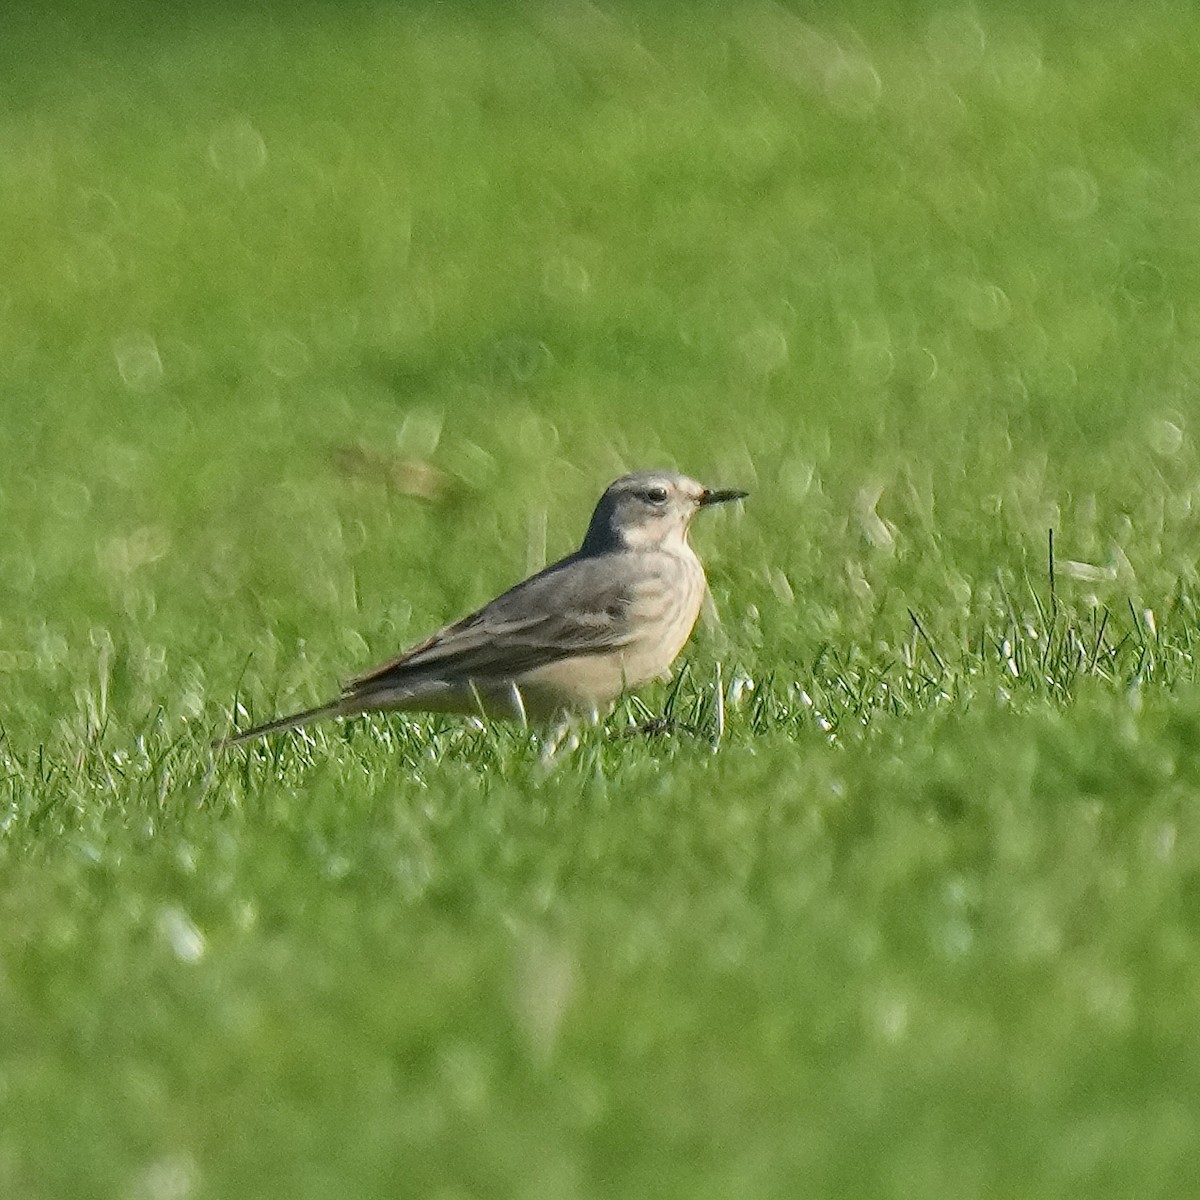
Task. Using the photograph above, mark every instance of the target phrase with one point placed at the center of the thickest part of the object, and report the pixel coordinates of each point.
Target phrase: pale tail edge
(296, 721)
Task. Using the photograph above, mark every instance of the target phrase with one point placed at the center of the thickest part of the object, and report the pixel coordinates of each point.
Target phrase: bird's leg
(562, 737)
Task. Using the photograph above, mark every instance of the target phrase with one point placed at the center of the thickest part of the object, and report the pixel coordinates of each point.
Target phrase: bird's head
(649, 510)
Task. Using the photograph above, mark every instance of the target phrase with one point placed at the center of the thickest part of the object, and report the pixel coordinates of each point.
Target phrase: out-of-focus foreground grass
(320, 325)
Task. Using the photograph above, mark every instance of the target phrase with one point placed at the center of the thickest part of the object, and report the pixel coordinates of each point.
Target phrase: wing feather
(579, 606)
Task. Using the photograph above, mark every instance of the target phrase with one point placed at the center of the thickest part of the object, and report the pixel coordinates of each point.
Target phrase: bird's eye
(656, 495)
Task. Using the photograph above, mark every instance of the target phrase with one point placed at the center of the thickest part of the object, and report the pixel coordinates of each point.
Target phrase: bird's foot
(655, 727)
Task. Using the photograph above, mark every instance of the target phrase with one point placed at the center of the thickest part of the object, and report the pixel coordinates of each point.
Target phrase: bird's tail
(336, 708)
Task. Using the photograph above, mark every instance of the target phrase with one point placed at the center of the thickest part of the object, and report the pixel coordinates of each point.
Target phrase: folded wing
(579, 606)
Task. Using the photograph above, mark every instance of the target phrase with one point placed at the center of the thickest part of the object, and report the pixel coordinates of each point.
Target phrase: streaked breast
(664, 615)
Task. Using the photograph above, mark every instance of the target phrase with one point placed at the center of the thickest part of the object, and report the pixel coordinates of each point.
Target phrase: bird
(566, 642)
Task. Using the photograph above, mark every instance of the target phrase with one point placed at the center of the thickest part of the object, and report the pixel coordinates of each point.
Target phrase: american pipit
(570, 639)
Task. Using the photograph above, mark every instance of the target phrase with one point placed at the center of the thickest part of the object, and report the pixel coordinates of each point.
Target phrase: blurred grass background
(320, 324)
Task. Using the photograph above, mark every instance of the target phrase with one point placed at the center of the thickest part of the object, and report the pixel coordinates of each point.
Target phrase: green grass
(917, 915)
